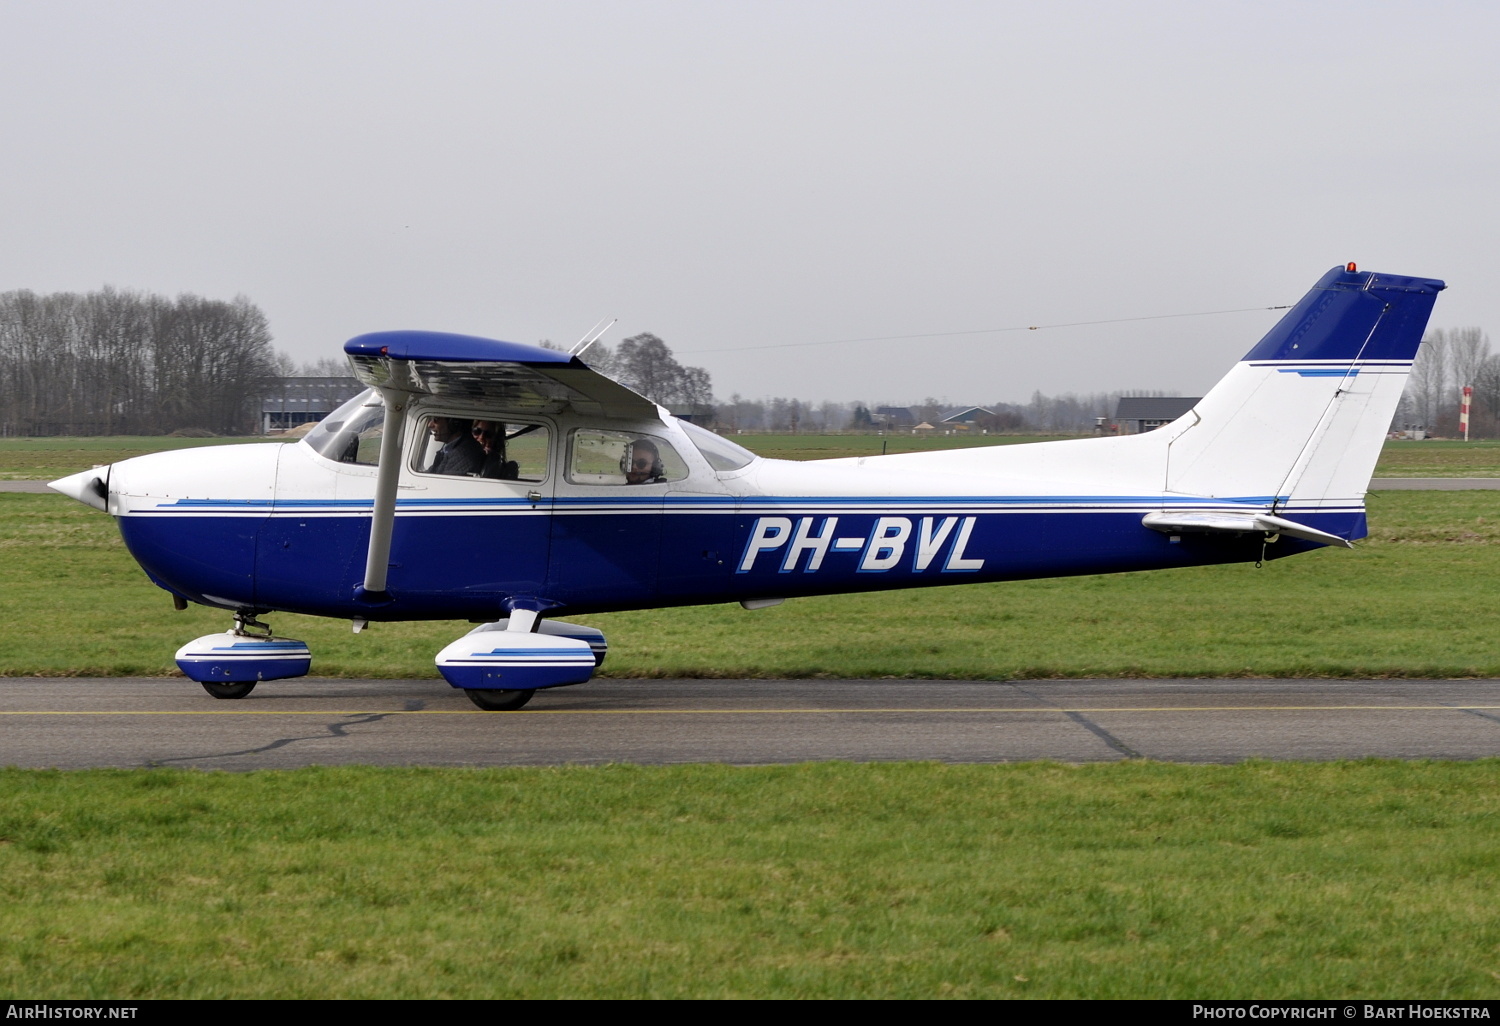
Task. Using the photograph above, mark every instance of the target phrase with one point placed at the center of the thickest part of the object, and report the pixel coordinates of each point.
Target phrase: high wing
(402, 365)
(525, 378)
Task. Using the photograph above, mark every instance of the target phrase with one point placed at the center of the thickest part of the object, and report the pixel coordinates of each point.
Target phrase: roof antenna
(592, 337)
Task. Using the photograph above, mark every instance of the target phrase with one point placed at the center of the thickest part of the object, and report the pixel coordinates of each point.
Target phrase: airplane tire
(499, 701)
(236, 690)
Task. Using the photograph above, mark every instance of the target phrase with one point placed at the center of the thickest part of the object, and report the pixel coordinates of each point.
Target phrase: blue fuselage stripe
(468, 565)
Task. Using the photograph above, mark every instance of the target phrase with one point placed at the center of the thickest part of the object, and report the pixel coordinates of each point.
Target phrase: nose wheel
(229, 665)
(497, 701)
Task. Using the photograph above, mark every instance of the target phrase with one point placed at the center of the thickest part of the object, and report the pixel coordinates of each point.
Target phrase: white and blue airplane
(509, 485)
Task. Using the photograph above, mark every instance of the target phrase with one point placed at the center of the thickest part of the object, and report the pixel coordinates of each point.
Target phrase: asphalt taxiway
(130, 722)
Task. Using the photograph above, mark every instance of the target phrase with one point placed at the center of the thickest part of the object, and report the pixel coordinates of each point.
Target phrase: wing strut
(383, 515)
(405, 366)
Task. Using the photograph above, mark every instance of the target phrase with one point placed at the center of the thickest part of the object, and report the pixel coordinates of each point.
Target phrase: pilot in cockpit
(642, 463)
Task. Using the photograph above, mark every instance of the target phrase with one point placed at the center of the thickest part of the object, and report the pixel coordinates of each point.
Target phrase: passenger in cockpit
(490, 434)
(642, 463)
(460, 454)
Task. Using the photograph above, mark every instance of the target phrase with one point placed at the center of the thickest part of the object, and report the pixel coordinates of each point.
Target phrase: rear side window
(481, 447)
(622, 458)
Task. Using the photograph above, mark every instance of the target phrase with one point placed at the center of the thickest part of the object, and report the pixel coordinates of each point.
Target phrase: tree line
(646, 364)
(1448, 360)
(1068, 414)
(124, 362)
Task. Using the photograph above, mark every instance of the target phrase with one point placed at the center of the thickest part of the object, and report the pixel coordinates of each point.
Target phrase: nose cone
(90, 487)
(191, 517)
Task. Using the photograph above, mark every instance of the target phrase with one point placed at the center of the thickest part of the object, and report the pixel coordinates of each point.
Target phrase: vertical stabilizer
(1301, 418)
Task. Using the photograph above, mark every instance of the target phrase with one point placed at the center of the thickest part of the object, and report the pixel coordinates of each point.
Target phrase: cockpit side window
(622, 458)
(464, 446)
(351, 433)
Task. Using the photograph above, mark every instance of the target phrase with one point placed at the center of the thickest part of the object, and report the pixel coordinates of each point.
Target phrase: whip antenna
(591, 337)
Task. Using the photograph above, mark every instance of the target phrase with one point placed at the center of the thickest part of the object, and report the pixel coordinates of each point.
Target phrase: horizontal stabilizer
(1185, 522)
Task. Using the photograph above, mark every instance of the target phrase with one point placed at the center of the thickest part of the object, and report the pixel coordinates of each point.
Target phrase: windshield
(721, 453)
(351, 433)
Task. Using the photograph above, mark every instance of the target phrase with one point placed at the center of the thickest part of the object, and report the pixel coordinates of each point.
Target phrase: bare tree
(928, 411)
(833, 416)
(741, 414)
(116, 361)
(1468, 348)
(1428, 383)
(1487, 386)
(645, 363)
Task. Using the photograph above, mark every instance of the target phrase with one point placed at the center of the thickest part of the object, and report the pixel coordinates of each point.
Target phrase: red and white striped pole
(1463, 411)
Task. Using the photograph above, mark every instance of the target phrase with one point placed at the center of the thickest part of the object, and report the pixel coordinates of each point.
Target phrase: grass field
(1420, 598)
(48, 458)
(1356, 880)
(45, 459)
(1440, 458)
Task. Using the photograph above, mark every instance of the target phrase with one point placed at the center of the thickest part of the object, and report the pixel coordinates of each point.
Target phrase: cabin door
(607, 519)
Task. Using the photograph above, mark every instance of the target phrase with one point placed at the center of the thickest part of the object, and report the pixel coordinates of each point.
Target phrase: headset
(645, 445)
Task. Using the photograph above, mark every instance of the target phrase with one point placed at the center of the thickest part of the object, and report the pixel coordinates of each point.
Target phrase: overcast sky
(734, 175)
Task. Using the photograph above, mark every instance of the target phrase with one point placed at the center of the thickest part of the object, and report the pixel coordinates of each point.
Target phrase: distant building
(969, 418)
(293, 401)
(1137, 413)
(947, 420)
(892, 417)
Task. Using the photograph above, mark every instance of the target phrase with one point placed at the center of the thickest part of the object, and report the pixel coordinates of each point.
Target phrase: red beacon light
(1350, 267)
